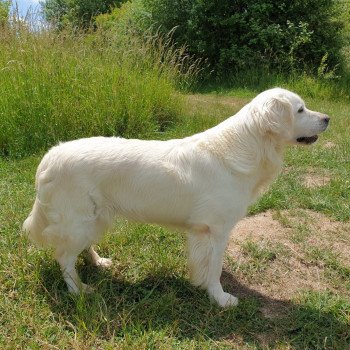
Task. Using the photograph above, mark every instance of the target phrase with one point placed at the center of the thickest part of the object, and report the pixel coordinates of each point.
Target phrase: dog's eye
(301, 109)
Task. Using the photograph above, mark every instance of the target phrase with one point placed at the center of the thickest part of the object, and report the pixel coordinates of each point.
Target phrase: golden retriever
(201, 184)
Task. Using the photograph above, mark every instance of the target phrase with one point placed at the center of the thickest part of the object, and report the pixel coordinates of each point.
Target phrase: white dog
(202, 184)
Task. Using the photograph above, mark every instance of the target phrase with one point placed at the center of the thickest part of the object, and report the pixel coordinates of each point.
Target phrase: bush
(241, 34)
(129, 16)
(60, 87)
(132, 20)
(76, 13)
(4, 13)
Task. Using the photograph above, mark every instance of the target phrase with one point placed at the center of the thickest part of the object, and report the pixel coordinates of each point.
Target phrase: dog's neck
(245, 150)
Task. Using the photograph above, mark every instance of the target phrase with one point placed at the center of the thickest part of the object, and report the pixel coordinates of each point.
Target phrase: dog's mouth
(307, 140)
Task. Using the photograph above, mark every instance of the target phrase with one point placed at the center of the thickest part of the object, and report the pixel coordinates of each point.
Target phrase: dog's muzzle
(308, 140)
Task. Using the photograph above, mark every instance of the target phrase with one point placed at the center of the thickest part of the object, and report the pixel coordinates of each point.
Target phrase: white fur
(202, 184)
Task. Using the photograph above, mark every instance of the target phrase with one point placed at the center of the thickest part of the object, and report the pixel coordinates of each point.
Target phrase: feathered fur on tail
(35, 224)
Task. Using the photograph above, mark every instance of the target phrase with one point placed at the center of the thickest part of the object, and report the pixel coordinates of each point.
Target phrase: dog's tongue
(307, 140)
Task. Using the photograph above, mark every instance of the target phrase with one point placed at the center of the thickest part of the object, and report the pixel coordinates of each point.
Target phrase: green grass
(249, 83)
(330, 261)
(258, 257)
(58, 87)
(55, 88)
(146, 302)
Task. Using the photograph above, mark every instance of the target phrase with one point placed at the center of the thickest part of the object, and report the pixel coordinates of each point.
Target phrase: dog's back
(92, 180)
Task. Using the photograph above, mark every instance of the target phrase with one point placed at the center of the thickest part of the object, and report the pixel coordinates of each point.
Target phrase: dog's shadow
(162, 301)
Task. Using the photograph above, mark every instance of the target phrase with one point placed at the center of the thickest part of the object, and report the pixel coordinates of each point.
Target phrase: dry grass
(315, 178)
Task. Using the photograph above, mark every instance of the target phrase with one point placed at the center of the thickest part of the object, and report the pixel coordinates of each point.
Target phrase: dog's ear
(276, 117)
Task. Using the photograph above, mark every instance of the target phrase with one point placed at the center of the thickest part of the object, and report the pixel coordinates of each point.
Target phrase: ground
(280, 253)
(287, 261)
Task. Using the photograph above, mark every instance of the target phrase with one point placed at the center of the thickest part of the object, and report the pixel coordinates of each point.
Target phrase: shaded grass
(157, 311)
(319, 321)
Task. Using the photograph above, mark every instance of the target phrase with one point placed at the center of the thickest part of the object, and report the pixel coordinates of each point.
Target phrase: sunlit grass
(56, 87)
(146, 301)
(64, 87)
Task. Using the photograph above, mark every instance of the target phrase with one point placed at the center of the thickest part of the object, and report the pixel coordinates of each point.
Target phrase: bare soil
(291, 234)
(314, 179)
(329, 144)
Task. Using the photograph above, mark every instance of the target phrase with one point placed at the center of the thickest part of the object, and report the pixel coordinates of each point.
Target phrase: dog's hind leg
(205, 257)
(96, 260)
(67, 262)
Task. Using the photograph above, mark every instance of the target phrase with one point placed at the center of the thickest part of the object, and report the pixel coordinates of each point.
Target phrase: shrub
(4, 13)
(130, 15)
(241, 34)
(78, 13)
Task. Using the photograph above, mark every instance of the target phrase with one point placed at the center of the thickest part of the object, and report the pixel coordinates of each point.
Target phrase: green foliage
(231, 36)
(130, 15)
(4, 13)
(319, 321)
(60, 87)
(344, 10)
(245, 33)
(78, 13)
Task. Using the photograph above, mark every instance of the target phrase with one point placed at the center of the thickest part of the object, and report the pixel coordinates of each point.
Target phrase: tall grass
(333, 86)
(56, 87)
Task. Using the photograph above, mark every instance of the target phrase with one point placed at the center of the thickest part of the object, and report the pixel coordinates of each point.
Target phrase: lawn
(288, 261)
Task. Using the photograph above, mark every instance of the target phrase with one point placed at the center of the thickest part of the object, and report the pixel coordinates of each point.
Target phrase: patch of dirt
(259, 225)
(329, 234)
(289, 234)
(329, 144)
(312, 180)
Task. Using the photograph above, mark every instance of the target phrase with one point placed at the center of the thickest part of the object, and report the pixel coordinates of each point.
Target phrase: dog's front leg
(205, 256)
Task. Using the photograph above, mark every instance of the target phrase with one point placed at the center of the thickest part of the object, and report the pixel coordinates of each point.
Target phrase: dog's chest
(263, 178)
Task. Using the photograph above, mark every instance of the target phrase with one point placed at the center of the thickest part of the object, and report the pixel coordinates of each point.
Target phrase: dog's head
(283, 114)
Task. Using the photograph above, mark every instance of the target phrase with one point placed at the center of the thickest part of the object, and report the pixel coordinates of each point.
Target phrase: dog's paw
(104, 262)
(226, 300)
(85, 288)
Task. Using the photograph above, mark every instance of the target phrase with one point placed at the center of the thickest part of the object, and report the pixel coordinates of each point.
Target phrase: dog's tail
(35, 224)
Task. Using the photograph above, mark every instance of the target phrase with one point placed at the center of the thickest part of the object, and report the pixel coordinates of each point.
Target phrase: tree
(4, 13)
(79, 13)
(241, 34)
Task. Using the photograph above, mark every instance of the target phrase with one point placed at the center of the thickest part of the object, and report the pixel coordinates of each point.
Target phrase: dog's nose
(326, 120)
